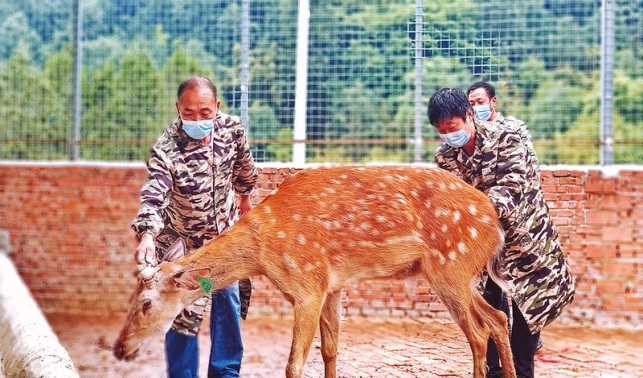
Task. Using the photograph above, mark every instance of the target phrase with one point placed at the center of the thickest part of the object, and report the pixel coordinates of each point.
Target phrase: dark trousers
(523, 343)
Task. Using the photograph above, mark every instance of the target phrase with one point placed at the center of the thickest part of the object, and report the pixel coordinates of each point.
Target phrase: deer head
(161, 294)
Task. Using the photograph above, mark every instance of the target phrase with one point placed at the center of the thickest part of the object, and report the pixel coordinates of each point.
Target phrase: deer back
(328, 224)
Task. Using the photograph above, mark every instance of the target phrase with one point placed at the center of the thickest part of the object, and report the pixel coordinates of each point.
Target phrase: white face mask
(482, 112)
(198, 129)
(456, 139)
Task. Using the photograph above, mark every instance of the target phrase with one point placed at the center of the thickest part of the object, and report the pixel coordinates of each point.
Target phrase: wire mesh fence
(543, 57)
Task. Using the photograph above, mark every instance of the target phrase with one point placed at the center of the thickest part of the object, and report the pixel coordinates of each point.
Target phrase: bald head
(196, 82)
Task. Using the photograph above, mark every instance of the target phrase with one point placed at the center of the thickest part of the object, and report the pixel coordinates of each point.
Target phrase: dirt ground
(369, 347)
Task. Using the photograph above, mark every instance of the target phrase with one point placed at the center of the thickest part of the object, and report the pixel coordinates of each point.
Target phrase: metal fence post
(418, 80)
(74, 137)
(301, 86)
(245, 66)
(607, 84)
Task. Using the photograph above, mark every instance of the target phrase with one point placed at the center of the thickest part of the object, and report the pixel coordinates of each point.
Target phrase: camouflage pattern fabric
(504, 166)
(191, 192)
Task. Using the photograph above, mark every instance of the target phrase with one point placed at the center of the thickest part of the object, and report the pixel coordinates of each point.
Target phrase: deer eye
(147, 304)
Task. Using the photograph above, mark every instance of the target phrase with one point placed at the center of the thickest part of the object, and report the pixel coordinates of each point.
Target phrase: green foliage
(361, 73)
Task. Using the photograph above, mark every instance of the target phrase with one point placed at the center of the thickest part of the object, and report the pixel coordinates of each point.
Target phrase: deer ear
(188, 278)
(175, 251)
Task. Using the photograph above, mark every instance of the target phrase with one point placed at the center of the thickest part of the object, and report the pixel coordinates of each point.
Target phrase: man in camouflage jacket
(190, 193)
(498, 160)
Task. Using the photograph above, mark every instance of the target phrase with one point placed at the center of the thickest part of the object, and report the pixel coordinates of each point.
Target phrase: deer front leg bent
(306, 319)
(329, 330)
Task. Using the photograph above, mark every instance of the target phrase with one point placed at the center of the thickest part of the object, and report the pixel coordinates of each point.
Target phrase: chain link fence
(365, 60)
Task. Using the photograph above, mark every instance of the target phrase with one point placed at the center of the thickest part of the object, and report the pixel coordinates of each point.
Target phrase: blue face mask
(482, 112)
(456, 139)
(198, 129)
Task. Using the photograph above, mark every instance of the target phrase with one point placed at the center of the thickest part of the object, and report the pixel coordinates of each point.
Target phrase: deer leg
(458, 300)
(306, 319)
(497, 322)
(329, 329)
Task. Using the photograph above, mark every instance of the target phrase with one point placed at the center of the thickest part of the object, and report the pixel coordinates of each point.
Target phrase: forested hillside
(542, 55)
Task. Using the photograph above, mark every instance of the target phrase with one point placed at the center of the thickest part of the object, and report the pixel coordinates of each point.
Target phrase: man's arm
(154, 198)
(245, 172)
(511, 177)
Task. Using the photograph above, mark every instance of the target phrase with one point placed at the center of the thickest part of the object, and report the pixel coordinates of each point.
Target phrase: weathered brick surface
(73, 246)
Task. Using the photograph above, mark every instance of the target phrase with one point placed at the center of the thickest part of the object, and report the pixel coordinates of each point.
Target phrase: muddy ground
(369, 347)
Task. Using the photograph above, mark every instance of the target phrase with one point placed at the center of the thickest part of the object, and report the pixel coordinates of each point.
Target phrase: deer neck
(230, 257)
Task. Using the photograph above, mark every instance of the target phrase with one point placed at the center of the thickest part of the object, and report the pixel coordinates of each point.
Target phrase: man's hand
(146, 251)
(244, 205)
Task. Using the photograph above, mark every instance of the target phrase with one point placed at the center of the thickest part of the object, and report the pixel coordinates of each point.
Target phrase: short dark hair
(491, 91)
(193, 82)
(446, 104)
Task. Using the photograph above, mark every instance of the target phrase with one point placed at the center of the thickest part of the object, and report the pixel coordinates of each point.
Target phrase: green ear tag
(206, 284)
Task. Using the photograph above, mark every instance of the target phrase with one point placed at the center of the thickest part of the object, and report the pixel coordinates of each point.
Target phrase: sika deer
(325, 226)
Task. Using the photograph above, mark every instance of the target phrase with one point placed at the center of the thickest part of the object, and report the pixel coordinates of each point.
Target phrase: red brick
(632, 299)
(561, 173)
(615, 201)
(617, 234)
(600, 185)
(614, 268)
(611, 303)
(602, 217)
(600, 251)
(610, 287)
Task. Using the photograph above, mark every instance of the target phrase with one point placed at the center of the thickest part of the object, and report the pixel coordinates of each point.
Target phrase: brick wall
(72, 244)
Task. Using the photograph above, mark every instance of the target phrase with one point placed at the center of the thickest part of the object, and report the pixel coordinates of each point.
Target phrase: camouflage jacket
(191, 186)
(504, 166)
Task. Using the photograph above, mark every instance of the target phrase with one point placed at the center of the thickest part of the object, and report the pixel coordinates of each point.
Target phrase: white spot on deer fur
(301, 239)
(290, 262)
(427, 204)
(361, 168)
(381, 184)
(344, 176)
(452, 186)
(462, 247)
(420, 225)
(367, 244)
(296, 217)
(433, 236)
(330, 190)
(448, 243)
(473, 210)
(388, 177)
(273, 221)
(444, 228)
(327, 224)
(337, 224)
(381, 218)
(414, 193)
(281, 234)
(414, 237)
(452, 255)
(441, 258)
(474, 232)
(334, 181)
(456, 216)
(442, 186)
(486, 219)
(266, 209)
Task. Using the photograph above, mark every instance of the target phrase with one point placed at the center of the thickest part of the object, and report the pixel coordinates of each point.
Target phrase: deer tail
(496, 264)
